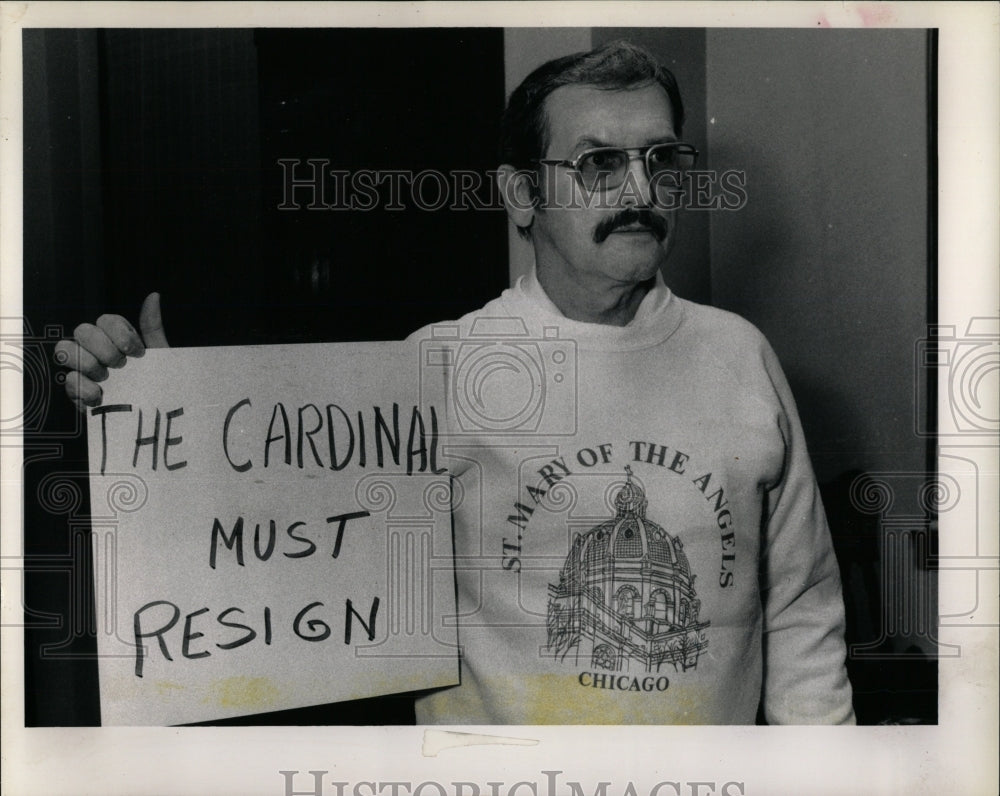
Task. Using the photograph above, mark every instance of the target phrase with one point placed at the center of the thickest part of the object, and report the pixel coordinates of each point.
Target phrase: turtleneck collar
(657, 317)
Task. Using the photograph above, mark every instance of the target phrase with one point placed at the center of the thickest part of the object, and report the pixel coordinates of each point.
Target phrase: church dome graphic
(625, 600)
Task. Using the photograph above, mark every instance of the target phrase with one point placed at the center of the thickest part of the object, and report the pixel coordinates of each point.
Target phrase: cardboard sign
(271, 530)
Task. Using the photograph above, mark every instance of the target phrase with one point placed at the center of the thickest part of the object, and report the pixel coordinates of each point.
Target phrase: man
(648, 545)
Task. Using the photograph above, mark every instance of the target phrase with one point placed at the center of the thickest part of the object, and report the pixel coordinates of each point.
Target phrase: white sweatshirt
(639, 535)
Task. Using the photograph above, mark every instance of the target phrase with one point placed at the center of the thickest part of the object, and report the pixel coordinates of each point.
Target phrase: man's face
(571, 239)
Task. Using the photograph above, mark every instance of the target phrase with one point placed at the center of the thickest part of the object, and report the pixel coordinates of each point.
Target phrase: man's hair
(524, 135)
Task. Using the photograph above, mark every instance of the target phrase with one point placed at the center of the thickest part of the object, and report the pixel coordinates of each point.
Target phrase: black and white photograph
(548, 397)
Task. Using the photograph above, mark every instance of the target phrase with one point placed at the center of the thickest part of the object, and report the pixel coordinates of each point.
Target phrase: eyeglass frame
(632, 153)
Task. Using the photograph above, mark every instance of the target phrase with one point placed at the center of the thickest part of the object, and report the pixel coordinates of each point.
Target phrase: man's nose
(636, 190)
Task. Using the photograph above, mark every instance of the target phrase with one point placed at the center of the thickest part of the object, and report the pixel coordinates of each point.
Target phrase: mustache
(629, 217)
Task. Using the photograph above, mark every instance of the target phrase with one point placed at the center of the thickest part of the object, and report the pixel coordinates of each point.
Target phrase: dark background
(150, 163)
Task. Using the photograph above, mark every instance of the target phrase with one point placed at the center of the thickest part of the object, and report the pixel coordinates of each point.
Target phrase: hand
(107, 344)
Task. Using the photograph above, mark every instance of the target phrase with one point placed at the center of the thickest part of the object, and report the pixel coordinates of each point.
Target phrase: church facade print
(625, 600)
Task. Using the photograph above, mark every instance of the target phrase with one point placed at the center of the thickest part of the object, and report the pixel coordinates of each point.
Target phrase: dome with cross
(627, 579)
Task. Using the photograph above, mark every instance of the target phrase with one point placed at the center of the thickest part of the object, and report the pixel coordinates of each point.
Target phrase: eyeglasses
(605, 167)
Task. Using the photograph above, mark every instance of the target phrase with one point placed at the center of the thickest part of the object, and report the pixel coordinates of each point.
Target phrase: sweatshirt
(639, 537)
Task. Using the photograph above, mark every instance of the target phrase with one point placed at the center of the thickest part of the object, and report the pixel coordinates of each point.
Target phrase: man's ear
(519, 190)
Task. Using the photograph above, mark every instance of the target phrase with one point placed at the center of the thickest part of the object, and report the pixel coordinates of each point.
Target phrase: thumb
(151, 324)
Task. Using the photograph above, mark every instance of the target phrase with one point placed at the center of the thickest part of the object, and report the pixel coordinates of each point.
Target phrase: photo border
(959, 755)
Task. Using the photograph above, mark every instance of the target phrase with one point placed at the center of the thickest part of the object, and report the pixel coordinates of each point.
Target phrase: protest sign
(271, 528)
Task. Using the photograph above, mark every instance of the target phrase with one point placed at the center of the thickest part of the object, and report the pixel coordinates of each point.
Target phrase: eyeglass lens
(609, 166)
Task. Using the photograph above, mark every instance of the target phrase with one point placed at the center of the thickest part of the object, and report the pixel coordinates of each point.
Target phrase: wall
(829, 257)
(63, 283)
(62, 161)
(830, 260)
(182, 199)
